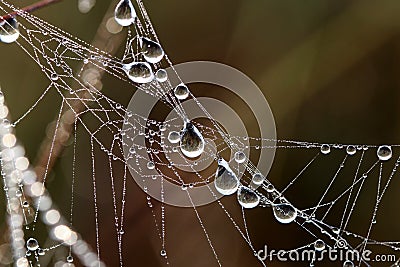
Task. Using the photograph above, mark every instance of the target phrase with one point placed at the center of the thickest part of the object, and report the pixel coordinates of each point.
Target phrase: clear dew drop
(351, 150)
(125, 13)
(191, 141)
(247, 198)
(150, 165)
(384, 152)
(348, 264)
(161, 75)
(32, 244)
(9, 32)
(258, 178)
(163, 253)
(70, 259)
(139, 72)
(240, 157)
(284, 213)
(174, 137)
(325, 149)
(152, 51)
(319, 245)
(181, 91)
(225, 180)
(41, 252)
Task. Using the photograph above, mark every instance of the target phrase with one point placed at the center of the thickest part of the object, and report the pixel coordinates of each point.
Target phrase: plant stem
(29, 8)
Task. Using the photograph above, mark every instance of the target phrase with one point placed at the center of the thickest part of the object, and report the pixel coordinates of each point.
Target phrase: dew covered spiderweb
(114, 151)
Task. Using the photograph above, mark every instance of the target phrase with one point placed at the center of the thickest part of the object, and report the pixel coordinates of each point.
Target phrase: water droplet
(284, 213)
(161, 75)
(258, 178)
(325, 149)
(191, 141)
(247, 198)
(384, 152)
(174, 137)
(54, 76)
(319, 245)
(9, 32)
(25, 204)
(152, 51)
(351, 150)
(70, 259)
(225, 181)
(32, 244)
(150, 165)
(348, 264)
(240, 157)
(18, 193)
(139, 72)
(125, 13)
(270, 188)
(163, 253)
(41, 252)
(181, 91)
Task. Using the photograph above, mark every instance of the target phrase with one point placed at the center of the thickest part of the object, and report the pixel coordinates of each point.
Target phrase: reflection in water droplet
(139, 72)
(125, 13)
(181, 91)
(191, 141)
(284, 213)
(9, 32)
(161, 75)
(225, 181)
(351, 150)
(384, 152)
(150, 165)
(319, 245)
(32, 244)
(152, 51)
(174, 137)
(240, 157)
(258, 178)
(325, 149)
(247, 198)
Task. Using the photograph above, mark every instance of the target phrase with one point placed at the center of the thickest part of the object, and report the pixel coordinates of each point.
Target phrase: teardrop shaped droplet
(9, 32)
(247, 198)
(139, 72)
(181, 91)
(258, 178)
(32, 244)
(225, 180)
(284, 213)
(191, 141)
(384, 153)
(152, 51)
(125, 13)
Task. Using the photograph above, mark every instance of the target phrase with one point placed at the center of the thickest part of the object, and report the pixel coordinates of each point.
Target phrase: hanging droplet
(181, 91)
(319, 245)
(174, 137)
(70, 259)
(225, 180)
(258, 178)
(32, 244)
(284, 213)
(348, 264)
(325, 149)
(247, 198)
(150, 165)
(9, 32)
(139, 72)
(384, 152)
(125, 13)
(240, 157)
(152, 51)
(191, 141)
(161, 75)
(351, 150)
(163, 253)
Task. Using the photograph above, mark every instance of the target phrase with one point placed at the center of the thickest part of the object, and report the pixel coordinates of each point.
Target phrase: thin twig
(29, 9)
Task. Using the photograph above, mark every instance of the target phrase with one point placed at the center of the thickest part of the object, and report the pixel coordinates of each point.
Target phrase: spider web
(120, 144)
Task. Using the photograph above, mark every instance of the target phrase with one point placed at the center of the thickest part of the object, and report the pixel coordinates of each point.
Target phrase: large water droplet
(9, 32)
(225, 181)
(284, 213)
(384, 152)
(32, 244)
(191, 141)
(319, 245)
(139, 72)
(161, 75)
(247, 198)
(152, 51)
(174, 137)
(181, 91)
(351, 150)
(258, 178)
(125, 13)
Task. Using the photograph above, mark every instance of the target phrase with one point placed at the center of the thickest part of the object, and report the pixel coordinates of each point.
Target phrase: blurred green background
(329, 69)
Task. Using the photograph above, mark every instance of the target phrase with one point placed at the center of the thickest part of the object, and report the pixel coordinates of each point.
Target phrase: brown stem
(29, 8)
